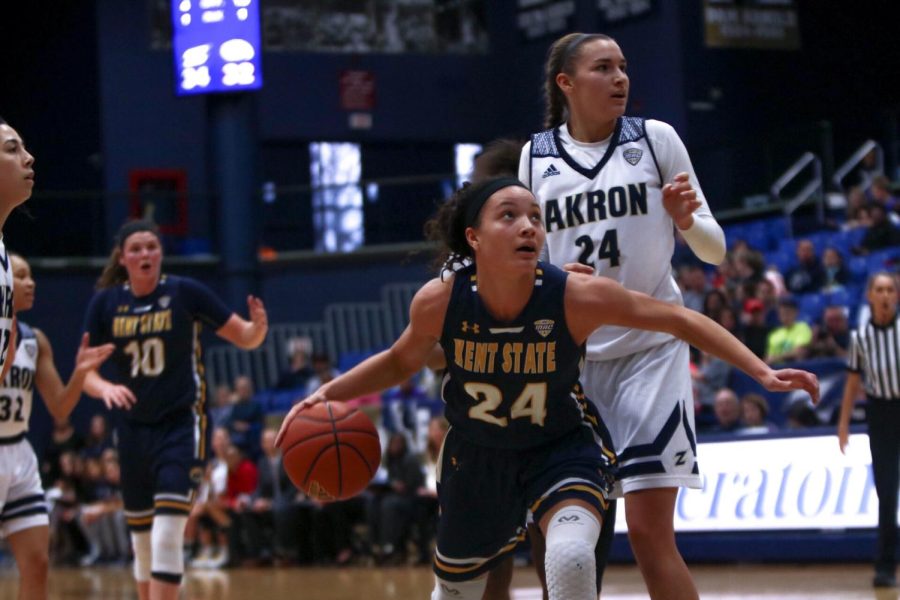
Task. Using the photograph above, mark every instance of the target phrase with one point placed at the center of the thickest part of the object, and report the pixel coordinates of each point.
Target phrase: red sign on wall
(357, 90)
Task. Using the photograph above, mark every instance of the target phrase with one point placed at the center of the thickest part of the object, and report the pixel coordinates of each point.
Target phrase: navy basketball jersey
(17, 390)
(157, 337)
(511, 384)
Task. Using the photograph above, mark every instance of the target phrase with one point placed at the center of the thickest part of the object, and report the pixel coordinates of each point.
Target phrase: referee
(875, 355)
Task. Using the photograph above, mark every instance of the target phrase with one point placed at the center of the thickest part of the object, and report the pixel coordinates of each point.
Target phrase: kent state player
(154, 321)
(513, 333)
(24, 516)
(612, 189)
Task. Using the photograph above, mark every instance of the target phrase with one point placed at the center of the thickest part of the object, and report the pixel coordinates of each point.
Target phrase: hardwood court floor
(721, 582)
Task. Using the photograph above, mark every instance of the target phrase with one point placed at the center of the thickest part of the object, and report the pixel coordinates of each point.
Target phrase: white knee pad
(458, 590)
(569, 560)
(168, 547)
(140, 543)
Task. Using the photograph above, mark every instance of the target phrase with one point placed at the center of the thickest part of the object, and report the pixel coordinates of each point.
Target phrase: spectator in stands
(788, 341)
(836, 274)
(102, 518)
(63, 439)
(272, 522)
(390, 511)
(807, 276)
(728, 411)
(755, 330)
(713, 303)
(427, 504)
(770, 290)
(729, 321)
(220, 411)
(408, 409)
(240, 486)
(246, 419)
(831, 337)
(208, 518)
(692, 280)
(323, 372)
(710, 375)
(880, 193)
(882, 233)
(857, 209)
(754, 414)
(98, 438)
(801, 415)
(299, 370)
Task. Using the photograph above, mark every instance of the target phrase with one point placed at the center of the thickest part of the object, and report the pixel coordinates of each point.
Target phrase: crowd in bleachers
(789, 299)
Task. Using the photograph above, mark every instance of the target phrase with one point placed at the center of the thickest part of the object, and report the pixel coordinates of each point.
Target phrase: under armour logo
(568, 519)
(681, 460)
(473, 328)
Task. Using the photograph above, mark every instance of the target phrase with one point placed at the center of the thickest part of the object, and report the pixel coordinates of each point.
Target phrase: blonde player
(612, 191)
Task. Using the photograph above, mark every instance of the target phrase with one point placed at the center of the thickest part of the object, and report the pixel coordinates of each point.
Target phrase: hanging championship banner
(613, 12)
(536, 19)
(759, 24)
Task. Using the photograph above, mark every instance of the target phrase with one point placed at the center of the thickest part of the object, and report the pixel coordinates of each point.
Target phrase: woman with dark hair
(523, 437)
(614, 189)
(158, 390)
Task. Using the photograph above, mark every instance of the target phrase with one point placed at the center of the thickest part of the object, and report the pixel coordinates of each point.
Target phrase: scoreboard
(216, 46)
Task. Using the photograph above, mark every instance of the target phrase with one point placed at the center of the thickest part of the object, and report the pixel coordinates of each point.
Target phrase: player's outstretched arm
(593, 302)
(113, 395)
(61, 399)
(245, 334)
(398, 363)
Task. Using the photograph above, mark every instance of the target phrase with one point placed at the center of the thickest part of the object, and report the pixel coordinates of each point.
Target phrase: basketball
(331, 451)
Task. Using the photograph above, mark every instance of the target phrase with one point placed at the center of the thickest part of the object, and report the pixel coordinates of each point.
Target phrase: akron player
(154, 321)
(23, 518)
(612, 190)
(513, 331)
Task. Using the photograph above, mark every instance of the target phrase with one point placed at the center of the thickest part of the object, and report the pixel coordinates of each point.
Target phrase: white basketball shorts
(22, 501)
(646, 401)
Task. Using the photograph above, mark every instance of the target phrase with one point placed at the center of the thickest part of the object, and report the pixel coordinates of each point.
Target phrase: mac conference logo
(633, 155)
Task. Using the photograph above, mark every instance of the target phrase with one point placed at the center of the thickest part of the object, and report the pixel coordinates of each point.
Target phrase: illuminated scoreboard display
(217, 46)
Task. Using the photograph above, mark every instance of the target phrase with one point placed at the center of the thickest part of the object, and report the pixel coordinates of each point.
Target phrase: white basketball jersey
(17, 390)
(609, 214)
(6, 304)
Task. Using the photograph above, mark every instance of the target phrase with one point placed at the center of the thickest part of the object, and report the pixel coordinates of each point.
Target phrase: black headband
(484, 190)
(132, 227)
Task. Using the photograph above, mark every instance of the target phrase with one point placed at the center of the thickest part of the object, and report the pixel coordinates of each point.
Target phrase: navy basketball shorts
(487, 494)
(162, 466)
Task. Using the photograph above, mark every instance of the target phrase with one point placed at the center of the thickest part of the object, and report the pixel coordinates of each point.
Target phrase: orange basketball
(331, 451)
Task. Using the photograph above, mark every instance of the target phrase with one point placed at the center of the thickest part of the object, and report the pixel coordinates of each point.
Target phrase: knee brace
(168, 547)
(140, 544)
(458, 590)
(569, 560)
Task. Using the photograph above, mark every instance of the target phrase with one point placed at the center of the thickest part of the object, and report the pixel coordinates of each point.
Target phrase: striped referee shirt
(875, 351)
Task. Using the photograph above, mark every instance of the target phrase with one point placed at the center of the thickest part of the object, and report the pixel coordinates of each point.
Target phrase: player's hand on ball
(311, 400)
(785, 380)
(680, 201)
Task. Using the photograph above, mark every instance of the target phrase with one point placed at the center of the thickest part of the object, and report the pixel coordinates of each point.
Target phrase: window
(337, 199)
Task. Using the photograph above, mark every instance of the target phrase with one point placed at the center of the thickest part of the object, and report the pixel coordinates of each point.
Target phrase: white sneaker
(219, 559)
(201, 561)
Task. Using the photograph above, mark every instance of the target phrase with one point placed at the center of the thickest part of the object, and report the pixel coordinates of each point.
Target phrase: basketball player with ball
(513, 332)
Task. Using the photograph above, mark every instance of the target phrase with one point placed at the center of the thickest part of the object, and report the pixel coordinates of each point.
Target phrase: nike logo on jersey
(551, 170)
(597, 205)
